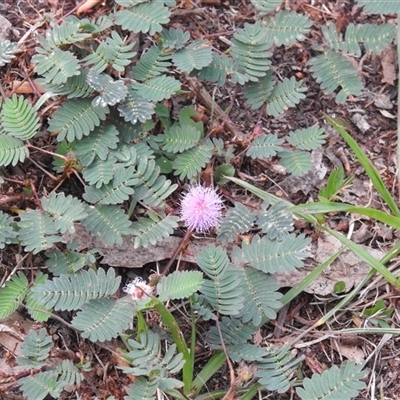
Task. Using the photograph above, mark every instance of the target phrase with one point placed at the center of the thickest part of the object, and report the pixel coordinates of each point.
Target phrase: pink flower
(201, 208)
(139, 289)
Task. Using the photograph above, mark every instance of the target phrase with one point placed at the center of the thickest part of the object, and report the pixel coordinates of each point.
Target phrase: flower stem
(182, 244)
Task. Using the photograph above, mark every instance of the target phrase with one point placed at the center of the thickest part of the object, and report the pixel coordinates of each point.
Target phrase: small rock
(361, 122)
(383, 101)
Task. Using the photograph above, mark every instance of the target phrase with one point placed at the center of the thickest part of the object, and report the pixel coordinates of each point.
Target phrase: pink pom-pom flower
(201, 208)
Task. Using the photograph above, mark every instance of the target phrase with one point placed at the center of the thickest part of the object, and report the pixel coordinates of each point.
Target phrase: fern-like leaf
(222, 291)
(55, 66)
(68, 373)
(264, 146)
(36, 348)
(276, 222)
(99, 143)
(220, 67)
(37, 231)
(99, 172)
(111, 92)
(179, 285)
(71, 292)
(374, 37)
(195, 56)
(18, 118)
(192, 161)
(135, 108)
(179, 138)
(380, 6)
(344, 383)
(65, 211)
(307, 138)
(145, 17)
(145, 356)
(151, 189)
(142, 389)
(113, 51)
(116, 191)
(257, 93)
(67, 262)
(7, 232)
(76, 118)
(271, 256)
(75, 86)
(38, 386)
(250, 51)
(7, 51)
(12, 151)
(174, 38)
(158, 88)
(277, 370)
(287, 27)
(152, 63)
(152, 230)
(103, 319)
(233, 330)
(12, 295)
(332, 70)
(261, 296)
(110, 223)
(266, 5)
(285, 94)
(296, 162)
(37, 311)
(237, 220)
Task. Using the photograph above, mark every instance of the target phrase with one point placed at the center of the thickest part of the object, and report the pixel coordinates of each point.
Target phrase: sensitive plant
(105, 127)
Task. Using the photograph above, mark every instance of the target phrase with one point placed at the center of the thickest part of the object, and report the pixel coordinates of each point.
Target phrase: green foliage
(109, 222)
(179, 138)
(237, 220)
(71, 292)
(296, 162)
(145, 17)
(12, 151)
(38, 386)
(76, 118)
(142, 389)
(158, 88)
(277, 369)
(195, 56)
(258, 93)
(307, 139)
(250, 51)
(272, 256)
(264, 146)
(344, 382)
(37, 311)
(103, 318)
(179, 285)
(266, 5)
(19, 118)
(332, 71)
(153, 229)
(287, 27)
(152, 63)
(275, 222)
(380, 6)
(35, 348)
(7, 232)
(12, 294)
(7, 51)
(261, 296)
(222, 291)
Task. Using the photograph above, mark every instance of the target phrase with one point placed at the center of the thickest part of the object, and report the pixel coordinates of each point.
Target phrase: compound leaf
(145, 17)
(70, 292)
(104, 319)
(12, 294)
(18, 118)
(285, 94)
(108, 222)
(76, 118)
(344, 382)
